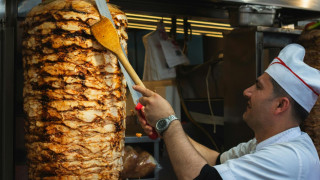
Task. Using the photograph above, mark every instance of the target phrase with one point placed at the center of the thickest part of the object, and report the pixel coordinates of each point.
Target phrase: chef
(278, 102)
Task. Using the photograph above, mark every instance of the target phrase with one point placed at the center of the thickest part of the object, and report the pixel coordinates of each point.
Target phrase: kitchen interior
(222, 46)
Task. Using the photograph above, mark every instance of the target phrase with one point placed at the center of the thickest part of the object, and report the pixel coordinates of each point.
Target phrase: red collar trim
(282, 63)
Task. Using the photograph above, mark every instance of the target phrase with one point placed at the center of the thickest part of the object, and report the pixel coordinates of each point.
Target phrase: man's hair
(298, 110)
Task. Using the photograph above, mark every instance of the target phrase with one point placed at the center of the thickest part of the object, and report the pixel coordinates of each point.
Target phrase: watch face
(161, 124)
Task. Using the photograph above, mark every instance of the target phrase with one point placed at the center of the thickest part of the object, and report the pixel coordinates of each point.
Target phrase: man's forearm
(186, 160)
(208, 154)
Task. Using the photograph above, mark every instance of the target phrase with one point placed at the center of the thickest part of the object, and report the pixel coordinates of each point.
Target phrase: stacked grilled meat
(311, 41)
(74, 93)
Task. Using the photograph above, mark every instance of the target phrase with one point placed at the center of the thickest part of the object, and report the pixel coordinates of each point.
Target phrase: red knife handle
(154, 134)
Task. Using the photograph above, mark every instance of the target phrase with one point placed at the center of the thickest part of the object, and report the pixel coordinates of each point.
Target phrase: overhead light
(147, 16)
(193, 33)
(141, 27)
(201, 32)
(144, 25)
(152, 28)
(213, 35)
(178, 29)
(211, 27)
(150, 20)
(142, 19)
(206, 22)
(207, 32)
(179, 19)
(147, 22)
(194, 23)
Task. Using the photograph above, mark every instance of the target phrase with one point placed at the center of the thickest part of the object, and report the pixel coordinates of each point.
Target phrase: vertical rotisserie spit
(74, 93)
(310, 40)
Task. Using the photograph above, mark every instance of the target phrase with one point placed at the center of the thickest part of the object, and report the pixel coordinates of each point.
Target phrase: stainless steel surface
(252, 15)
(313, 5)
(135, 95)
(25, 6)
(104, 10)
(279, 30)
(142, 139)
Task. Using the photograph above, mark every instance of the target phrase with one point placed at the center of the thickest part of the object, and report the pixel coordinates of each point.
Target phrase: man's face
(259, 107)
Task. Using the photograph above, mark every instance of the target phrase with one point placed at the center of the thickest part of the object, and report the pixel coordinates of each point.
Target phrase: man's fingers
(142, 121)
(144, 91)
(143, 101)
(147, 128)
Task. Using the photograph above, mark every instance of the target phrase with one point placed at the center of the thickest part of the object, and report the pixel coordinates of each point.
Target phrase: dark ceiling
(211, 10)
(214, 10)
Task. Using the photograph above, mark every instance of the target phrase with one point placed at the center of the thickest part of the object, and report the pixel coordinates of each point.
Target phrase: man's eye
(258, 86)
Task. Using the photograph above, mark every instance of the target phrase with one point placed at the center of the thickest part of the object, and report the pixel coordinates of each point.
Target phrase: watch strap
(169, 119)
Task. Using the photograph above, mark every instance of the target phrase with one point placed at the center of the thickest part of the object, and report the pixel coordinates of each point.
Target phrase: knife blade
(104, 11)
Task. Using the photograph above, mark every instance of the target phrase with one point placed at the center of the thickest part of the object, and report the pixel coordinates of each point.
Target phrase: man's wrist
(172, 126)
(163, 124)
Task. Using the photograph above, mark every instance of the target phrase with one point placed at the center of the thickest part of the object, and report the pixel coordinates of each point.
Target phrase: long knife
(104, 11)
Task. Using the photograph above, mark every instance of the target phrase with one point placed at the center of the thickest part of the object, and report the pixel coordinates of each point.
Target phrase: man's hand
(155, 108)
(186, 160)
(143, 122)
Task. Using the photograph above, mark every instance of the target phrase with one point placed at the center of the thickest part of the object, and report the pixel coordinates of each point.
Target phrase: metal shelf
(142, 139)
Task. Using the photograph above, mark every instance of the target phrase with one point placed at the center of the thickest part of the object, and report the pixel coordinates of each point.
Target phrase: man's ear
(283, 104)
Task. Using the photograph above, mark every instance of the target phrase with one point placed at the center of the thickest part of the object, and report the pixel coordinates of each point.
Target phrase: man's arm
(186, 160)
(208, 154)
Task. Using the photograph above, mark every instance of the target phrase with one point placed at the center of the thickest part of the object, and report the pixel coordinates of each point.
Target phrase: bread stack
(137, 163)
(74, 93)
(311, 41)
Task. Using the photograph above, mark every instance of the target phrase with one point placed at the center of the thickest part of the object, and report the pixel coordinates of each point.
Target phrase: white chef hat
(298, 79)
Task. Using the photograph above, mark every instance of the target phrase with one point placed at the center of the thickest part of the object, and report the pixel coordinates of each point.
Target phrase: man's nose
(247, 92)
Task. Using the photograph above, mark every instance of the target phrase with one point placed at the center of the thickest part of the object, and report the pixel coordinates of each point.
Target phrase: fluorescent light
(200, 31)
(151, 20)
(147, 16)
(179, 30)
(154, 28)
(193, 33)
(193, 23)
(178, 23)
(144, 25)
(141, 19)
(213, 35)
(141, 27)
(212, 27)
(206, 23)
(178, 20)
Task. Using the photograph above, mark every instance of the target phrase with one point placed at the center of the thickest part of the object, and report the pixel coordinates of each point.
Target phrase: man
(278, 102)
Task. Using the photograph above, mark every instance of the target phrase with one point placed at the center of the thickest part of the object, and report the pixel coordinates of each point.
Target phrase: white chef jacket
(288, 155)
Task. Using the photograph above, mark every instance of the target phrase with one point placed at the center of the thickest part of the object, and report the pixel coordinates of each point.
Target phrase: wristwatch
(163, 124)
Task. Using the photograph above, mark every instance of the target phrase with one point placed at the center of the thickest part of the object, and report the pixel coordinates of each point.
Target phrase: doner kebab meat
(310, 39)
(74, 93)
